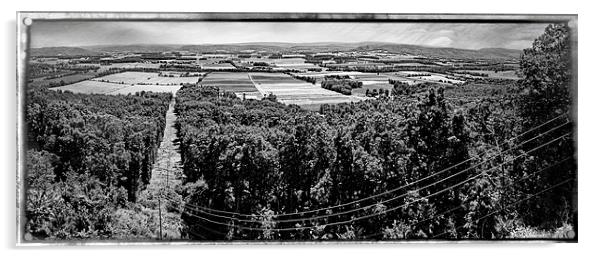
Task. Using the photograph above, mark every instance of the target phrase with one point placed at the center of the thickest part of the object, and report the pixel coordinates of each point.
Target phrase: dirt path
(165, 178)
(167, 167)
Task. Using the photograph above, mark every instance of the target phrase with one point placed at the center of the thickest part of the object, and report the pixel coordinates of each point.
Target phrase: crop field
(92, 87)
(235, 82)
(139, 88)
(218, 66)
(141, 78)
(123, 66)
(96, 87)
(133, 65)
(268, 78)
(431, 77)
(291, 91)
(292, 63)
(326, 73)
(66, 79)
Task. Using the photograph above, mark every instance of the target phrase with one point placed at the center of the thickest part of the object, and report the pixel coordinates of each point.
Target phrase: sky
(455, 35)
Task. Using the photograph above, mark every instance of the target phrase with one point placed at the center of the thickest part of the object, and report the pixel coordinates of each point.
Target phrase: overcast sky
(456, 35)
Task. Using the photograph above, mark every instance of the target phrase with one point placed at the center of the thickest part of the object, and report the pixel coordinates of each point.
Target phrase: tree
(546, 68)
(545, 93)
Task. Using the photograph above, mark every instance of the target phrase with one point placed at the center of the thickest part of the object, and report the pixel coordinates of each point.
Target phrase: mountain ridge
(428, 51)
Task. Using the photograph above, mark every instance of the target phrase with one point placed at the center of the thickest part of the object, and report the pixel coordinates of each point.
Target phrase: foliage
(546, 92)
(88, 155)
(255, 157)
(341, 84)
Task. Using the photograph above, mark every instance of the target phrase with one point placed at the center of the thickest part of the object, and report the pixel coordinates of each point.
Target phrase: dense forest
(87, 156)
(464, 162)
(387, 168)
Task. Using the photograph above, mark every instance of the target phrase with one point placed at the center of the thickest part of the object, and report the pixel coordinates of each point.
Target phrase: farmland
(284, 63)
(69, 79)
(292, 91)
(239, 83)
(128, 83)
(268, 142)
(94, 87)
(141, 78)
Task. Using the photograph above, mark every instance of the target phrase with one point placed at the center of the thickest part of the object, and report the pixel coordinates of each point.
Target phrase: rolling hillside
(486, 53)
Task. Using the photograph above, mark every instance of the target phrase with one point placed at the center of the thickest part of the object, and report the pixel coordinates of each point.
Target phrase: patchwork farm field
(326, 73)
(370, 81)
(104, 68)
(431, 77)
(66, 79)
(96, 87)
(235, 82)
(218, 66)
(133, 65)
(292, 63)
(261, 78)
(92, 87)
(141, 78)
(292, 91)
(139, 88)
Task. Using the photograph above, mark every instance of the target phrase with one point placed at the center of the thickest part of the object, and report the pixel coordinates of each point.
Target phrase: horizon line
(275, 42)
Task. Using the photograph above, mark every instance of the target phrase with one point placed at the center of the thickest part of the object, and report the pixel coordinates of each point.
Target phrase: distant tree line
(342, 84)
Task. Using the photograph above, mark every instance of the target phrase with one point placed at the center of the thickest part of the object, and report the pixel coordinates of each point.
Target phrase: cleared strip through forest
(167, 167)
(166, 177)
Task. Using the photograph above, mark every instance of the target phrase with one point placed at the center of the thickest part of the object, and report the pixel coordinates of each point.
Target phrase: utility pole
(160, 220)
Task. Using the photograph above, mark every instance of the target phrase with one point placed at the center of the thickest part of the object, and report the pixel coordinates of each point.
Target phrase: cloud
(440, 42)
(519, 44)
(456, 35)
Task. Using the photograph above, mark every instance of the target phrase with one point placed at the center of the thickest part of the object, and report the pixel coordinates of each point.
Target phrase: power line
(381, 202)
(514, 203)
(447, 211)
(404, 186)
(463, 202)
(365, 216)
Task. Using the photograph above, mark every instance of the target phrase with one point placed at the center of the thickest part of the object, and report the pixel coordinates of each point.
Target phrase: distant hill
(515, 53)
(232, 48)
(62, 51)
(138, 48)
(485, 53)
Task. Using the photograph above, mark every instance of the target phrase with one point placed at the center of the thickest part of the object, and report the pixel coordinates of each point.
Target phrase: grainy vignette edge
(22, 41)
(23, 45)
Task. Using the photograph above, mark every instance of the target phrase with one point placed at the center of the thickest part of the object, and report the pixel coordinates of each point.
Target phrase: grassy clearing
(95, 87)
(139, 88)
(133, 78)
(91, 87)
